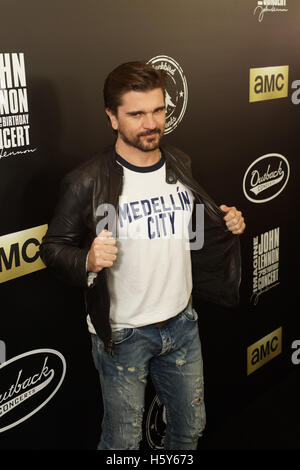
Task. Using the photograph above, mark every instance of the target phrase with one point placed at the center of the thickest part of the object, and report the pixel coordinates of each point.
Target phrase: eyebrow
(133, 113)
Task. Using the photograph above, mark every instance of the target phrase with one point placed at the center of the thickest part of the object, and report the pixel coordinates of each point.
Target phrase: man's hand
(234, 219)
(103, 252)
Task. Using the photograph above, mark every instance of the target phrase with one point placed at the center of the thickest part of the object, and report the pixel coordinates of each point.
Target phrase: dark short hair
(131, 76)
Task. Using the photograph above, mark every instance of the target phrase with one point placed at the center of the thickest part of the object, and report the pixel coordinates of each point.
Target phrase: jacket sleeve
(62, 246)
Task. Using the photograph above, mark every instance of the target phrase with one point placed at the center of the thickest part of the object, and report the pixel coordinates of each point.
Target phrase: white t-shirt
(151, 279)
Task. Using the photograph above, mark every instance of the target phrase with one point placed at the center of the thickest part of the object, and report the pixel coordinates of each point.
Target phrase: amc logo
(261, 352)
(268, 83)
(19, 253)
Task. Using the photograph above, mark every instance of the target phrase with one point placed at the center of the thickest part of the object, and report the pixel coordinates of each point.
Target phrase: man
(138, 280)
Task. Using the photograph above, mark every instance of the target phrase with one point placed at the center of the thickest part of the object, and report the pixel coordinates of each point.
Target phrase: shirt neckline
(141, 169)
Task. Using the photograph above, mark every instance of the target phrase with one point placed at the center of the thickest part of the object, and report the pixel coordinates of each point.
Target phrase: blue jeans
(172, 356)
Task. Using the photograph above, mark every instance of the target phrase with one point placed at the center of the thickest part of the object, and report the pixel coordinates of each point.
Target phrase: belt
(162, 323)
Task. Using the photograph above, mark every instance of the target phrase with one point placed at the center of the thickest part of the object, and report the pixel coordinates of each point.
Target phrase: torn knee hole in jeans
(142, 376)
(137, 425)
(181, 361)
(140, 372)
(198, 391)
(196, 401)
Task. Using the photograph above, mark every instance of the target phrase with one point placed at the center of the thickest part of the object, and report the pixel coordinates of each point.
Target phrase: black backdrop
(68, 49)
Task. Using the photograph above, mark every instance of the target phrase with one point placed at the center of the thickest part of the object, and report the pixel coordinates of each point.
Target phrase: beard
(145, 145)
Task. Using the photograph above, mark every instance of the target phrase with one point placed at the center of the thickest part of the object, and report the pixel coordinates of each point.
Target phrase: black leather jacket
(216, 267)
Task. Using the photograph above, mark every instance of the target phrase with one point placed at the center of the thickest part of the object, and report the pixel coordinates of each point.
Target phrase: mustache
(150, 131)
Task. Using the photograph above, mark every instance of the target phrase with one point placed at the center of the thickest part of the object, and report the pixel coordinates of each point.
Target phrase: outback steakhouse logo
(266, 177)
(27, 383)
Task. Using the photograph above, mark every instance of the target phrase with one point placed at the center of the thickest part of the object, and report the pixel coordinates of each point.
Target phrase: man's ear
(113, 119)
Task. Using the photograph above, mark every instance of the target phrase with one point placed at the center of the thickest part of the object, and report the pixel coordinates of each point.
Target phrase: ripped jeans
(172, 356)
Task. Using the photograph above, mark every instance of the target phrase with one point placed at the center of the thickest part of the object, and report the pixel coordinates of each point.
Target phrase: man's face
(140, 119)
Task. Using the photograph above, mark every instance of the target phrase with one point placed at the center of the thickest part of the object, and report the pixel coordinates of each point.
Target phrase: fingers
(238, 229)
(106, 236)
(107, 249)
(103, 252)
(234, 219)
(102, 259)
(105, 239)
(105, 242)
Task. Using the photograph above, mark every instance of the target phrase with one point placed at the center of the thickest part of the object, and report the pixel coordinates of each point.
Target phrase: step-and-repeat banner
(232, 103)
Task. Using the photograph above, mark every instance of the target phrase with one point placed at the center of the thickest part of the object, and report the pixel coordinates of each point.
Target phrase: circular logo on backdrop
(156, 424)
(266, 177)
(176, 90)
(27, 383)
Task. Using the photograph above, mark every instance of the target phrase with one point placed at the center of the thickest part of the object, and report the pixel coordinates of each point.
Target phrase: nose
(149, 121)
